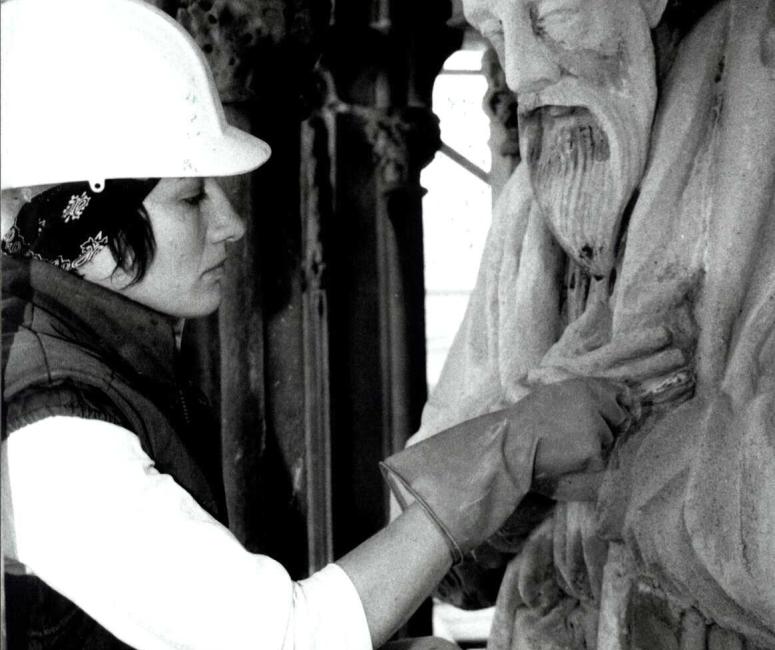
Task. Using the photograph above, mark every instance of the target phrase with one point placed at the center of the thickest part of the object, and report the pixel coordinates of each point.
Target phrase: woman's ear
(653, 10)
(103, 270)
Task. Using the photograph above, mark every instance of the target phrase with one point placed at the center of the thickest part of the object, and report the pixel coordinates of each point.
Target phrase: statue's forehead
(480, 10)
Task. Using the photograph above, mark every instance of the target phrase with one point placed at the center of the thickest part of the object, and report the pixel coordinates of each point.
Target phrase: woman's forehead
(172, 186)
(186, 181)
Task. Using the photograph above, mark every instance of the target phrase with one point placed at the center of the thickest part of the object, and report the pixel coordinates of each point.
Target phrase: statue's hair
(679, 18)
(684, 14)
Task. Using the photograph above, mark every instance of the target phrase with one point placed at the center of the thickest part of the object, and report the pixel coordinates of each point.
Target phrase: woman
(116, 230)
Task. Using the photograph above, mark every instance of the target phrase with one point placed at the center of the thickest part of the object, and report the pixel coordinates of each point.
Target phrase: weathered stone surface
(500, 104)
(404, 142)
(768, 38)
(244, 40)
(230, 33)
(636, 241)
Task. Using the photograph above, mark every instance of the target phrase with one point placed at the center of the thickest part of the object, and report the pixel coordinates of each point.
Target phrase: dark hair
(68, 224)
(131, 241)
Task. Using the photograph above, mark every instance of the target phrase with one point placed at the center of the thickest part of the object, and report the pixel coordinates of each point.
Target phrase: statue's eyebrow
(535, 19)
(538, 10)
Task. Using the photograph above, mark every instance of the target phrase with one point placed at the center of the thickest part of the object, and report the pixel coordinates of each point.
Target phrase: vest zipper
(184, 408)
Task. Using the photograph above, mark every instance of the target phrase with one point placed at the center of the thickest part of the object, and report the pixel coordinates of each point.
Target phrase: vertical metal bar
(242, 367)
(315, 205)
(3, 533)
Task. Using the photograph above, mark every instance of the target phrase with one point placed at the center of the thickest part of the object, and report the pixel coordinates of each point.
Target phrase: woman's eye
(195, 199)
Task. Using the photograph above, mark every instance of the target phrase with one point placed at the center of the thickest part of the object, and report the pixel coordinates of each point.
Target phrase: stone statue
(635, 241)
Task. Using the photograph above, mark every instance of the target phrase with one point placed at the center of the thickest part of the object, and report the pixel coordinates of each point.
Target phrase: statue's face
(583, 72)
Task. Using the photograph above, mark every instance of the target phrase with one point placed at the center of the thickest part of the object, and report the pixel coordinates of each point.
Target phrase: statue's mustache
(557, 133)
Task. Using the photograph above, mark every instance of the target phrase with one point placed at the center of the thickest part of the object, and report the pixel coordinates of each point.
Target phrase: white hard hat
(98, 89)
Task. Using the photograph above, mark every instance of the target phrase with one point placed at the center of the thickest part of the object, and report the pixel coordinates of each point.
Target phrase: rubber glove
(471, 477)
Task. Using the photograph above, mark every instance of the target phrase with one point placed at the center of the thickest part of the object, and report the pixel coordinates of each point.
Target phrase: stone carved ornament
(404, 141)
(500, 104)
(636, 241)
(242, 38)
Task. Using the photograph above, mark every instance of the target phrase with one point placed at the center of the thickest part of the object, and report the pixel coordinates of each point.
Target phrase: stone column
(403, 142)
(262, 53)
(379, 69)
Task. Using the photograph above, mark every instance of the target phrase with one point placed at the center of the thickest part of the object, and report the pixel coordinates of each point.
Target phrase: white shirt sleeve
(86, 511)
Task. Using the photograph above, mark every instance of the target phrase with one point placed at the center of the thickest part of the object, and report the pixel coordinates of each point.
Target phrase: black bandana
(69, 224)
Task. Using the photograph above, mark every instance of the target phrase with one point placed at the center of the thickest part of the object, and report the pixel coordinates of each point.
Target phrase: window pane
(456, 209)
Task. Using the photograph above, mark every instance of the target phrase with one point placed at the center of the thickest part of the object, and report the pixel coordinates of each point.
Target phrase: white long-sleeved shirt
(85, 510)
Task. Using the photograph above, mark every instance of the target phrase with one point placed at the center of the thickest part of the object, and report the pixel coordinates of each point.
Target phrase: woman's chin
(200, 307)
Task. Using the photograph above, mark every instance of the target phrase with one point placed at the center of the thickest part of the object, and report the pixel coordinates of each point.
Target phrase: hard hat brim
(236, 152)
(230, 153)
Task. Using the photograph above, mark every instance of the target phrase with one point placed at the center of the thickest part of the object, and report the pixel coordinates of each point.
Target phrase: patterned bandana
(69, 224)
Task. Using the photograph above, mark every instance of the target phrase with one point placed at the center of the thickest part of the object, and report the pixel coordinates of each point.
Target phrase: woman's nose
(226, 224)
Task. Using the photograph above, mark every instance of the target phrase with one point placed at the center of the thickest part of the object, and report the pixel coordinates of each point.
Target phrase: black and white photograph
(387, 324)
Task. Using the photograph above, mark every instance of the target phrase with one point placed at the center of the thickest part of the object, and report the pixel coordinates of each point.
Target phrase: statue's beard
(577, 181)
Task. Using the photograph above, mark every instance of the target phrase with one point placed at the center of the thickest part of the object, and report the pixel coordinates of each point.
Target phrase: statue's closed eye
(556, 19)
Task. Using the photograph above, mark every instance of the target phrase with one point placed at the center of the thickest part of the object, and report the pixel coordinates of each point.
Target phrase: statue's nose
(527, 65)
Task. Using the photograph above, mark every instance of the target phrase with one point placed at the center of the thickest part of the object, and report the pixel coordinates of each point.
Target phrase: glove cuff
(406, 496)
(468, 479)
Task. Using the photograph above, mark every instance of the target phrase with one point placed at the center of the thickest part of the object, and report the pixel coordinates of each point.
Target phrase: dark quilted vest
(73, 348)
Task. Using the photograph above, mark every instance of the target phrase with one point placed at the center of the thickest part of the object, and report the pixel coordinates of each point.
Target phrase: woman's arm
(396, 569)
(85, 510)
(92, 517)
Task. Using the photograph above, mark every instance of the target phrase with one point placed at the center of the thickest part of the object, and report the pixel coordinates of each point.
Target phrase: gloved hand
(470, 478)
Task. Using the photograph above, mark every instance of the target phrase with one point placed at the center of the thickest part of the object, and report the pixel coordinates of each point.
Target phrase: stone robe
(679, 550)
